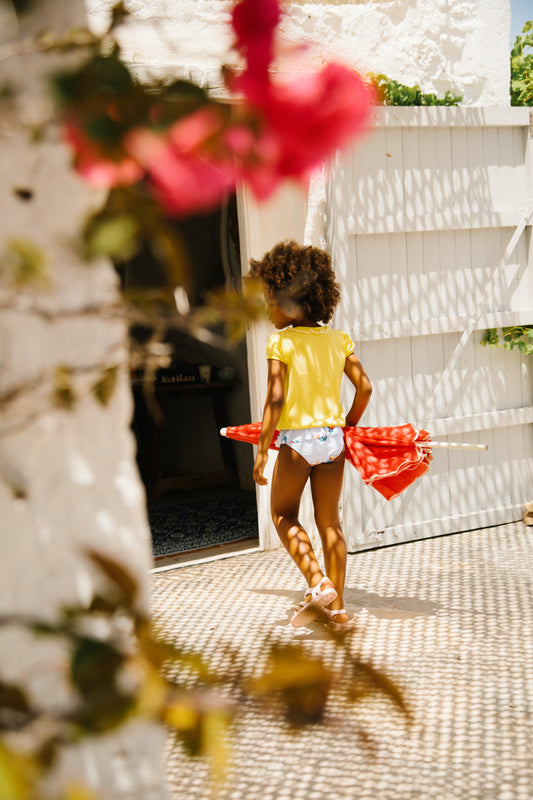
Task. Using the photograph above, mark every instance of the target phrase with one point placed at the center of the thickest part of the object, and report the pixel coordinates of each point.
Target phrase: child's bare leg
(291, 472)
(326, 485)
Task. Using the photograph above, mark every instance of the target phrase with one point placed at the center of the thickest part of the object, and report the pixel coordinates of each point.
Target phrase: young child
(306, 361)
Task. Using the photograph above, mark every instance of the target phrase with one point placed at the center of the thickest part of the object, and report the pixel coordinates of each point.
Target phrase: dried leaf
(119, 14)
(104, 388)
(202, 720)
(369, 681)
(15, 710)
(18, 774)
(120, 577)
(79, 792)
(64, 395)
(153, 689)
(299, 681)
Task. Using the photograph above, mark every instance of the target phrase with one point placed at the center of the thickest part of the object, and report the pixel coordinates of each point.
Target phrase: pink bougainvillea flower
(314, 114)
(254, 23)
(185, 169)
(95, 167)
(301, 123)
(277, 130)
(294, 124)
(256, 156)
(194, 131)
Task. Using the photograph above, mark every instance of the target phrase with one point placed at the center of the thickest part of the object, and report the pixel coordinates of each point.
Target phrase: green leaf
(100, 78)
(94, 664)
(525, 347)
(114, 237)
(23, 261)
(102, 712)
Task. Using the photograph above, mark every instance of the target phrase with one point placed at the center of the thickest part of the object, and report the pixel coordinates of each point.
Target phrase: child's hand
(259, 468)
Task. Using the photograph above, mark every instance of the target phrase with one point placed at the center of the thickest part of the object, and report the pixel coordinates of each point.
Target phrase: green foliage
(107, 101)
(117, 238)
(519, 336)
(522, 68)
(103, 81)
(393, 93)
(23, 262)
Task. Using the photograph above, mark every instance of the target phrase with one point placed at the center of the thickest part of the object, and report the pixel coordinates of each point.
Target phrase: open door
(199, 486)
(430, 228)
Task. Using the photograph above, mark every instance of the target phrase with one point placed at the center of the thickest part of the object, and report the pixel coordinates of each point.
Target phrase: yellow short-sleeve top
(315, 359)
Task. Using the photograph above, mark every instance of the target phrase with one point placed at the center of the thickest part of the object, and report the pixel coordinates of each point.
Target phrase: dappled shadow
(420, 217)
(450, 621)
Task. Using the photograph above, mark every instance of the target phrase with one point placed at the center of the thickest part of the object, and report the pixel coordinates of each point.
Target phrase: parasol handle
(452, 445)
(224, 432)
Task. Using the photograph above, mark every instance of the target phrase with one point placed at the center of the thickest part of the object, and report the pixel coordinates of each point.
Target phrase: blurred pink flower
(313, 114)
(254, 23)
(294, 125)
(277, 130)
(186, 167)
(96, 168)
(256, 153)
(300, 123)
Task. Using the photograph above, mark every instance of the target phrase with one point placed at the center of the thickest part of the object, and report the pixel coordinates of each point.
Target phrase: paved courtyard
(449, 619)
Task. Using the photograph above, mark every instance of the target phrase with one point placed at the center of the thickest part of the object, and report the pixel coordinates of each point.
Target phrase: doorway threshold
(204, 555)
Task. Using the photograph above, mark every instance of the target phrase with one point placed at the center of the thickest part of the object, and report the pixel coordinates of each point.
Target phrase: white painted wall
(462, 45)
(68, 479)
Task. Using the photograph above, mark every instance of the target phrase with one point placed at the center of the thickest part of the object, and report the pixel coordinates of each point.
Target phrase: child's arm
(353, 369)
(273, 406)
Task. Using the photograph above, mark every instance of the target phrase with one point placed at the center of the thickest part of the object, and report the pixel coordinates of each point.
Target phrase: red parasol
(387, 458)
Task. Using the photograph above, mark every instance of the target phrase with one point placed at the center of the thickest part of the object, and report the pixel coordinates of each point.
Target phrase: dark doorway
(199, 485)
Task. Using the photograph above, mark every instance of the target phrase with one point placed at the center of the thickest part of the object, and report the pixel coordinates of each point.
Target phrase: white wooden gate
(430, 230)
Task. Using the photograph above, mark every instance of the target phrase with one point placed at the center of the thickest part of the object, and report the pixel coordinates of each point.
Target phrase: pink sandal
(320, 598)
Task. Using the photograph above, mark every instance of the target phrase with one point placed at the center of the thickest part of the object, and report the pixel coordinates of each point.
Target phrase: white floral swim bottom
(316, 445)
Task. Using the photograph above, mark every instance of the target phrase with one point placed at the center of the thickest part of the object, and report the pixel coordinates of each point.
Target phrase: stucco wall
(462, 45)
(68, 480)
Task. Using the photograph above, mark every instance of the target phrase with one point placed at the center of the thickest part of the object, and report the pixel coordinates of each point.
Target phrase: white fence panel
(421, 217)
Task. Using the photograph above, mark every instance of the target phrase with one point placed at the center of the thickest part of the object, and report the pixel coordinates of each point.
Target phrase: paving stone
(449, 619)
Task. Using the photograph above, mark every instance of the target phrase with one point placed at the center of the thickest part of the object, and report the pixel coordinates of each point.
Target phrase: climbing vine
(509, 338)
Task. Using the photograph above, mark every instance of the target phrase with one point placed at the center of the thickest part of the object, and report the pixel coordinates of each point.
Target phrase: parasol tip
(224, 432)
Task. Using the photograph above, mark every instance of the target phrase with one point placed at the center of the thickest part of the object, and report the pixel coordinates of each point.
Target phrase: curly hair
(301, 276)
